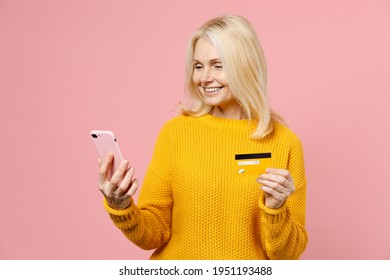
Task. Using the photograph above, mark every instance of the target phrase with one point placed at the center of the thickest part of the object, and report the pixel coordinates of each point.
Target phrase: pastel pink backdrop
(67, 67)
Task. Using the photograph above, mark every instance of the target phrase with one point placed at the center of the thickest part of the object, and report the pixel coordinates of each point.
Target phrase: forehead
(205, 51)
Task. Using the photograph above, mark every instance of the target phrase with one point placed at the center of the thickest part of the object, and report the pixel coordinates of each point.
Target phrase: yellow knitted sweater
(194, 205)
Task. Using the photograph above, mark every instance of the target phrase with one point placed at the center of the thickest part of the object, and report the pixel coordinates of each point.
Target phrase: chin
(213, 101)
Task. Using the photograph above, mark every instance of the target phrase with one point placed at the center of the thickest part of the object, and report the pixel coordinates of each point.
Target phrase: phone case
(105, 141)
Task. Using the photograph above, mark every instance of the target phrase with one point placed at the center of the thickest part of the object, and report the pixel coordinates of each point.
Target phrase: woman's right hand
(121, 186)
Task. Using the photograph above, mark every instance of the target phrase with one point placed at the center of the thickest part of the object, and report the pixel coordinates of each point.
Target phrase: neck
(229, 112)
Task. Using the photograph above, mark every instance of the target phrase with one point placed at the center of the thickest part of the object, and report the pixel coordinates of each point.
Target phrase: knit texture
(193, 203)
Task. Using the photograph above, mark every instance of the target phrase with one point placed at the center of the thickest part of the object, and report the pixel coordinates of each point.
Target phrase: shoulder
(176, 125)
(285, 134)
(180, 122)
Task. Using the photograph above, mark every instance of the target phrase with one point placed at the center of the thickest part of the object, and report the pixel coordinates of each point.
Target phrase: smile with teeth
(212, 89)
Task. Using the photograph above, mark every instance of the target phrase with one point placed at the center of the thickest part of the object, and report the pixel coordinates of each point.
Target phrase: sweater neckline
(244, 124)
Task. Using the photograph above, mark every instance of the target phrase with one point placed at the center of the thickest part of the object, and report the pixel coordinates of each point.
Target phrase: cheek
(195, 78)
(221, 78)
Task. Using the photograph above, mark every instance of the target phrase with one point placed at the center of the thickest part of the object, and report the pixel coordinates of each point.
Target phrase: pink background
(67, 67)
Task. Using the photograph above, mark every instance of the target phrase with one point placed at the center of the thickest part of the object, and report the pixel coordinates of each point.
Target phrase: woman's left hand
(277, 185)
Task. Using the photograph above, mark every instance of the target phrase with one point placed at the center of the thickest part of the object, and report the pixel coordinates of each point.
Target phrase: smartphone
(105, 141)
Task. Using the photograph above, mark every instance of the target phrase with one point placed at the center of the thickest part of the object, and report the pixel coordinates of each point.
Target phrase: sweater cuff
(114, 212)
(272, 215)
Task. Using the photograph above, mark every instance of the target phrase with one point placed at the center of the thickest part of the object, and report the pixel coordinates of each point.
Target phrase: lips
(212, 90)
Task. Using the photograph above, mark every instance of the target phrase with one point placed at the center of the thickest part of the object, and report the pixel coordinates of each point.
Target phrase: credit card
(253, 163)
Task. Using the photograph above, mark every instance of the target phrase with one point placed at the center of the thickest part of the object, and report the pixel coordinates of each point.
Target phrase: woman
(195, 203)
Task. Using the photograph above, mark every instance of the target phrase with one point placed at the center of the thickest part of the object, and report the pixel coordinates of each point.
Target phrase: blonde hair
(244, 65)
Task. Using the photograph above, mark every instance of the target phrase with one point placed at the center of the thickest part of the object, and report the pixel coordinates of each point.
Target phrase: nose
(206, 75)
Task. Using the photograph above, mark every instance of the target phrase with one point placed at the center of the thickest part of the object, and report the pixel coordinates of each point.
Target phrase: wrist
(114, 209)
(119, 207)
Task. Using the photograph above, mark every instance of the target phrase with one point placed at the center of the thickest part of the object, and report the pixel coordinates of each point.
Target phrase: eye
(198, 67)
(218, 66)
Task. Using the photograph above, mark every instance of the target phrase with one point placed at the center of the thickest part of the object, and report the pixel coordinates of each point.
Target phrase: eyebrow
(214, 60)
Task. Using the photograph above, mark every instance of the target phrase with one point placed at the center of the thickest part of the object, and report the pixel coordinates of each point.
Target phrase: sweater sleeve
(148, 224)
(283, 232)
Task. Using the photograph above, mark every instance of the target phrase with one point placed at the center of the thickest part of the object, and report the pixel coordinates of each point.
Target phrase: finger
(105, 168)
(288, 181)
(281, 184)
(273, 185)
(278, 171)
(126, 182)
(133, 188)
(281, 180)
(278, 196)
(119, 173)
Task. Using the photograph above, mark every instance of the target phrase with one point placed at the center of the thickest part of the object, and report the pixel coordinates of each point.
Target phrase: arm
(283, 208)
(148, 225)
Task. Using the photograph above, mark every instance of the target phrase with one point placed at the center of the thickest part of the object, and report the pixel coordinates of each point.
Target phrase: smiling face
(210, 80)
